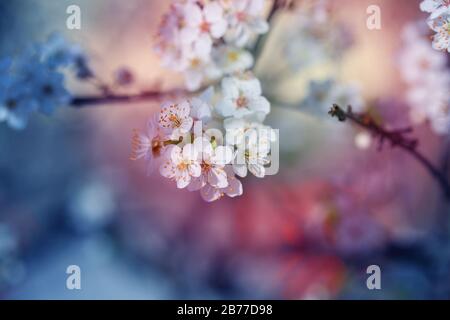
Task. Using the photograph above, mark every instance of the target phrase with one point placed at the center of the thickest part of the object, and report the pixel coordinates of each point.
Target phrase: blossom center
(11, 104)
(181, 23)
(156, 147)
(241, 16)
(205, 166)
(205, 26)
(182, 166)
(233, 56)
(47, 90)
(241, 102)
(195, 63)
(175, 120)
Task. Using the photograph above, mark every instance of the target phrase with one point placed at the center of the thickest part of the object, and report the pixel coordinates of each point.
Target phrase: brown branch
(151, 95)
(397, 138)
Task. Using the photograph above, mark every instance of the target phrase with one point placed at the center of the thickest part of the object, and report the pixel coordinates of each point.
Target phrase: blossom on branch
(439, 22)
(435, 7)
(202, 149)
(242, 97)
(148, 145)
(210, 138)
(181, 165)
(246, 19)
(175, 120)
(35, 82)
(425, 72)
(206, 40)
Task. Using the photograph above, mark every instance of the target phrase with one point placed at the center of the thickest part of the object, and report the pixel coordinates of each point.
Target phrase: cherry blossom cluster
(439, 22)
(205, 143)
(425, 72)
(34, 82)
(208, 39)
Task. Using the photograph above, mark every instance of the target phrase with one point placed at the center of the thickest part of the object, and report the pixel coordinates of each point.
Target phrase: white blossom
(202, 26)
(236, 129)
(233, 189)
(435, 7)
(197, 71)
(253, 150)
(148, 145)
(205, 40)
(246, 19)
(242, 97)
(418, 59)
(181, 164)
(441, 25)
(424, 71)
(175, 120)
(230, 59)
(212, 162)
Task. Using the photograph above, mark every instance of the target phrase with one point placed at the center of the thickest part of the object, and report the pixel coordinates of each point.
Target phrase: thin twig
(153, 95)
(397, 138)
(261, 41)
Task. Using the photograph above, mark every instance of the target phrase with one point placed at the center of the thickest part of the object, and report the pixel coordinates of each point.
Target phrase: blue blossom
(28, 85)
(15, 105)
(57, 52)
(5, 65)
(47, 89)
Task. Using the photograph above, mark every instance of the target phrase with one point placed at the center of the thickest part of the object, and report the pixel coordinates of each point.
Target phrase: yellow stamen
(233, 56)
(175, 120)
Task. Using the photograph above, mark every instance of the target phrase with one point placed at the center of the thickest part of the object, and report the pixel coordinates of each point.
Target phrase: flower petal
(226, 107)
(183, 179)
(183, 109)
(260, 104)
(167, 169)
(186, 125)
(234, 188)
(240, 170)
(257, 170)
(197, 183)
(223, 155)
(213, 12)
(195, 169)
(190, 152)
(219, 28)
(210, 193)
(175, 154)
(217, 178)
(193, 15)
(250, 87)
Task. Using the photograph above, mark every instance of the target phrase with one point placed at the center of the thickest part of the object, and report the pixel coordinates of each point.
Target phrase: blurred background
(69, 195)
